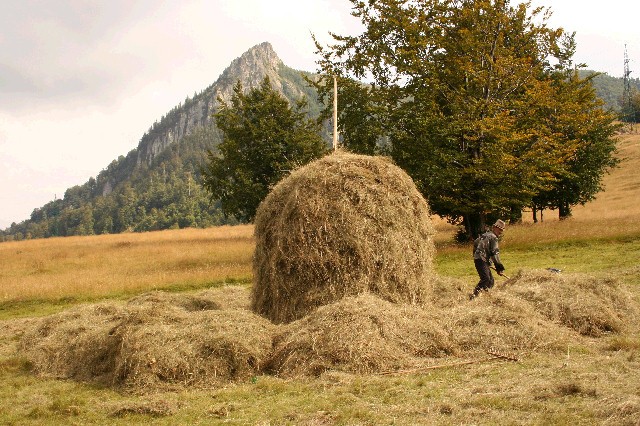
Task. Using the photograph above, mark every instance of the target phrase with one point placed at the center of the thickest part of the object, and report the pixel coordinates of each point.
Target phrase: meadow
(597, 381)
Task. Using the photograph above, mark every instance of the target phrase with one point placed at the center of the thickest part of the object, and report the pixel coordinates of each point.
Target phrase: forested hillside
(610, 89)
(158, 184)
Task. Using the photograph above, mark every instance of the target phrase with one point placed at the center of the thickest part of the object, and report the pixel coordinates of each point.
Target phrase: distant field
(88, 268)
(595, 380)
(77, 269)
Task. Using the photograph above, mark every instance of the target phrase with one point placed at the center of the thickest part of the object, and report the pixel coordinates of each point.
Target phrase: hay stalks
(156, 340)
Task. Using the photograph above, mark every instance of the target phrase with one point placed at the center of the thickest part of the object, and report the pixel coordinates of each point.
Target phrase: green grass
(600, 256)
(535, 391)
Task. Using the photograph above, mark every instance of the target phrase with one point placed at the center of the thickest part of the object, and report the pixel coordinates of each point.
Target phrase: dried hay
(541, 311)
(448, 292)
(340, 226)
(156, 340)
(74, 343)
(187, 302)
(590, 305)
(229, 296)
(360, 334)
(505, 323)
(161, 340)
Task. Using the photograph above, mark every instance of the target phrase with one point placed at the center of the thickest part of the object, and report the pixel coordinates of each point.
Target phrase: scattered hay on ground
(74, 344)
(225, 297)
(229, 296)
(340, 226)
(160, 340)
(188, 302)
(541, 311)
(155, 340)
(592, 306)
(448, 292)
(361, 334)
(501, 322)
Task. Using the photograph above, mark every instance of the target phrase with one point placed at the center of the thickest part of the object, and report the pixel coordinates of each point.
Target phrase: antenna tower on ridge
(627, 110)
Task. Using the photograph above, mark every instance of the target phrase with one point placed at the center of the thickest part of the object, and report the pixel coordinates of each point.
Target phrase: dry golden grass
(613, 214)
(87, 267)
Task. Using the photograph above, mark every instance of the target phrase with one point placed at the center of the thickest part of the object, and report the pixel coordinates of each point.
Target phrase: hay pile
(156, 340)
(360, 334)
(541, 311)
(161, 340)
(589, 305)
(537, 311)
(340, 226)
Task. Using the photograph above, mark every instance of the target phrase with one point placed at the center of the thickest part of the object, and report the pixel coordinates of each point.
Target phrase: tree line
(478, 100)
(167, 194)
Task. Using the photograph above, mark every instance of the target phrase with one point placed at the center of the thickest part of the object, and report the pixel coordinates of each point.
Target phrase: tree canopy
(264, 139)
(479, 100)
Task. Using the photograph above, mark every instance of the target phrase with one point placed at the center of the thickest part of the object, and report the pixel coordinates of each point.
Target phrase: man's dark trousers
(486, 279)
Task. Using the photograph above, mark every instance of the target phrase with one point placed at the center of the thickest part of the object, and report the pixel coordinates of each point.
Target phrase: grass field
(597, 380)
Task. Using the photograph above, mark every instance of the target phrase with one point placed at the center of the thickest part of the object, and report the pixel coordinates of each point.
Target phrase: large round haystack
(340, 226)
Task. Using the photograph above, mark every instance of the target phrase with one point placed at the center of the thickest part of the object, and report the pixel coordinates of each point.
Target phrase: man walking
(485, 251)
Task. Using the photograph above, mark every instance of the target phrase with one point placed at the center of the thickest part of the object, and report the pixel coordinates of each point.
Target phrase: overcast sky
(82, 80)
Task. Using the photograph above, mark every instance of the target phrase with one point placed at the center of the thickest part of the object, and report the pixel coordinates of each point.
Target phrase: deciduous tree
(264, 138)
(467, 93)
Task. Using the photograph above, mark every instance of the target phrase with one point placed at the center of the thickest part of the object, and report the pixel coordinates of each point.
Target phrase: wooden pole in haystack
(335, 113)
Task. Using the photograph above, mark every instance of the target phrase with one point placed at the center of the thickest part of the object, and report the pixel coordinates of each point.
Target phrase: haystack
(154, 341)
(340, 226)
(358, 334)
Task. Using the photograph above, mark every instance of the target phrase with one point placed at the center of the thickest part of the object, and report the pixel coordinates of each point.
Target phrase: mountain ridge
(157, 184)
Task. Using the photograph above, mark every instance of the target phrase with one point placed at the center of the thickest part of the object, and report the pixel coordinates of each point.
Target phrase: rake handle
(502, 275)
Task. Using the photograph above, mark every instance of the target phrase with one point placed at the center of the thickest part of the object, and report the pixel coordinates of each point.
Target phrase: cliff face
(250, 69)
(157, 185)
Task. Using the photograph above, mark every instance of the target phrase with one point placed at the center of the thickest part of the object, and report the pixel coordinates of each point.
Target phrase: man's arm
(495, 255)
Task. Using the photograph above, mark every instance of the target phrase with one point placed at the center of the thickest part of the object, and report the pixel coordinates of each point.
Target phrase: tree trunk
(534, 212)
(515, 215)
(564, 210)
(474, 224)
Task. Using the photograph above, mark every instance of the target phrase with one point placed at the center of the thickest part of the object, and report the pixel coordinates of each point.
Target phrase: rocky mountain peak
(250, 68)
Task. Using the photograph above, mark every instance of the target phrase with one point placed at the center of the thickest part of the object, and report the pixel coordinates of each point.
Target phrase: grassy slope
(595, 381)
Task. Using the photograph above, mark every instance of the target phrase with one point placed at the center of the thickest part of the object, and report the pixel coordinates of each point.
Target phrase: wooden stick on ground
(494, 355)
